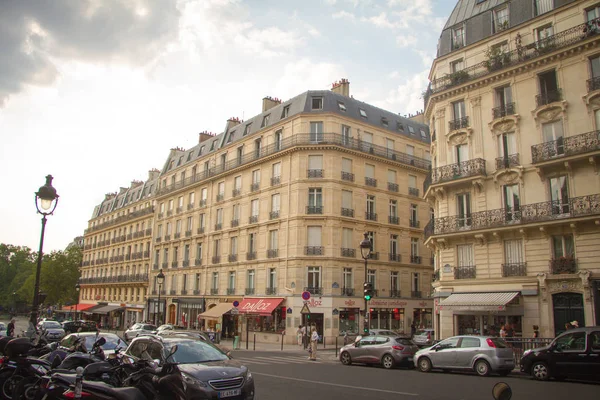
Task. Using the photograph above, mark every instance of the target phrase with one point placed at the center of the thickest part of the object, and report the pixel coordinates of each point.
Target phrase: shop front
(156, 310)
(189, 309)
(111, 316)
(133, 313)
(349, 315)
(265, 317)
(212, 319)
(317, 312)
(401, 315)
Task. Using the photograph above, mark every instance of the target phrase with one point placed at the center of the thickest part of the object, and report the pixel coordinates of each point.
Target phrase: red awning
(259, 306)
(80, 307)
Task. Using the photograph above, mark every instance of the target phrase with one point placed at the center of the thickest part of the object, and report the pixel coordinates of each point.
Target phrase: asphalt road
(291, 376)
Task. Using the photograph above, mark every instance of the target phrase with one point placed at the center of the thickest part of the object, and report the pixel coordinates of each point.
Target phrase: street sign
(236, 303)
(234, 311)
(306, 296)
(305, 309)
(289, 310)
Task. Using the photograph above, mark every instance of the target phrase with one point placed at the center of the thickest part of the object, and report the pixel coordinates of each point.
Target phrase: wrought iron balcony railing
(249, 291)
(172, 291)
(253, 219)
(196, 292)
(274, 214)
(314, 210)
(197, 261)
(186, 263)
(453, 172)
(524, 214)
(395, 257)
(413, 191)
(413, 224)
(347, 291)
(371, 216)
(236, 192)
(188, 233)
(458, 123)
(203, 203)
(218, 226)
(393, 187)
(216, 259)
(563, 265)
(314, 250)
(548, 97)
(230, 291)
(394, 220)
(190, 206)
(373, 256)
(272, 253)
(214, 291)
(509, 161)
(315, 173)
(314, 290)
(251, 255)
(348, 252)
(504, 110)
(593, 84)
(220, 196)
(184, 291)
(348, 212)
(276, 180)
(370, 181)
(200, 230)
(165, 265)
(232, 257)
(514, 269)
(347, 176)
(255, 186)
(174, 264)
(566, 146)
(394, 293)
(415, 259)
(271, 290)
(416, 294)
(235, 222)
(465, 272)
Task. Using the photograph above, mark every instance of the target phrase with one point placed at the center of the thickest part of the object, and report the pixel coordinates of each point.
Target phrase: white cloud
(407, 96)
(306, 74)
(380, 21)
(406, 40)
(426, 58)
(343, 15)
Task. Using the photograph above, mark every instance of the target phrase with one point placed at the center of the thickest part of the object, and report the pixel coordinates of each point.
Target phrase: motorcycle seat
(67, 376)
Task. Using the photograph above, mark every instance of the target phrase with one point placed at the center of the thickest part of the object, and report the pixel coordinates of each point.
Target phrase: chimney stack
(231, 122)
(342, 87)
(205, 136)
(270, 102)
(153, 174)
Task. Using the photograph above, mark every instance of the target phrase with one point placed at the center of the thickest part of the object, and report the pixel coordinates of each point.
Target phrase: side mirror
(173, 351)
(356, 344)
(100, 342)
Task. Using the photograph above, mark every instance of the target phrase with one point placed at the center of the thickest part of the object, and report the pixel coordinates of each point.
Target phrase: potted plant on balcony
(496, 58)
(458, 77)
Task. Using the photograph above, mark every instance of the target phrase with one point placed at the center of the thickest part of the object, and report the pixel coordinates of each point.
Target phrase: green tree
(60, 272)
(16, 265)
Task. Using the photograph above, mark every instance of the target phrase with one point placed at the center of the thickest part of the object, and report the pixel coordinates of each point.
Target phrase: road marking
(285, 360)
(335, 384)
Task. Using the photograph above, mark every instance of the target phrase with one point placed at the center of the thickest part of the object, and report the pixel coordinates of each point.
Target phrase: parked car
(54, 330)
(2, 329)
(137, 329)
(164, 328)
(424, 337)
(382, 332)
(89, 338)
(574, 353)
(483, 354)
(388, 351)
(207, 372)
(79, 326)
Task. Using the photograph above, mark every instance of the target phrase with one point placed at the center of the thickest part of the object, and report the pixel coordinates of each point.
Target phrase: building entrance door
(567, 307)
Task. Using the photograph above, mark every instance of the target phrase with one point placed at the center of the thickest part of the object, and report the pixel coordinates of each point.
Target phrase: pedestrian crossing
(281, 360)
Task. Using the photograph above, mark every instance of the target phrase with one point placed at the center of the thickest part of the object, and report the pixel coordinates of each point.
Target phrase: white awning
(216, 311)
(482, 301)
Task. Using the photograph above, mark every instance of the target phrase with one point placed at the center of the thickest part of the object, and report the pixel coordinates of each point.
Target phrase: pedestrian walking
(536, 332)
(502, 331)
(299, 335)
(10, 328)
(314, 338)
(303, 332)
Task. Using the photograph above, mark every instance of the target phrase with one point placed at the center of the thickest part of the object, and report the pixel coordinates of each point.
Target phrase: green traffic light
(366, 330)
(367, 297)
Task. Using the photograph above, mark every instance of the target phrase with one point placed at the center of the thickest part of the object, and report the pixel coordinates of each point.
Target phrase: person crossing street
(314, 338)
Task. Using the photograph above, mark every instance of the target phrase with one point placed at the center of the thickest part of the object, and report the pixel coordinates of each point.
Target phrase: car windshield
(52, 325)
(111, 342)
(148, 327)
(405, 342)
(195, 351)
(422, 332)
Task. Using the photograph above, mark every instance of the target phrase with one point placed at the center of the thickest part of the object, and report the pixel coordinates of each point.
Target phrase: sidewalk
(273, 347)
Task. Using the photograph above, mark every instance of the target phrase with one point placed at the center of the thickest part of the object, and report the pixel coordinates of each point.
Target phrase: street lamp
(77, 288)
(46, 200)
(365, 252)
(160, 278)
(15, 301)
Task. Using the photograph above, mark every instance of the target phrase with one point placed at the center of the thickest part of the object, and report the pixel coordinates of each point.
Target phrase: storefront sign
(259, 306)
(387, 303)
(314, 303)
(349, 303)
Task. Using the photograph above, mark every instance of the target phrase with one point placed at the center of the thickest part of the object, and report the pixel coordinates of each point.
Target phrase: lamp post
(160, 278)
(365, 252)
(77, 288)
(46, 200)
(15, 301)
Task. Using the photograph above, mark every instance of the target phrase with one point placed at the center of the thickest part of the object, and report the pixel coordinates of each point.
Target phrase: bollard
(336, 346)
(282, 340)
(323, 341)
(247, 337)
(254, 344)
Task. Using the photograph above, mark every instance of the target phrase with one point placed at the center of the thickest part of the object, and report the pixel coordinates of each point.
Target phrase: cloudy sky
(96, 92)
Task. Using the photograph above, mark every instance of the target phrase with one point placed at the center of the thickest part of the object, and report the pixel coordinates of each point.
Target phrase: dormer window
(317, 103)
(171, 164)
(285, 112)
(212, 145)
(231, 136)
(384, 121)
(190, 155)
(423, 134)
(265, 121)
(180, 161)
(247, 128)
(201, 151)
(458, 38)
(399, 126)
(411, 130)
(542, 6)
(342, 106)
(363, 113)
(501, 20)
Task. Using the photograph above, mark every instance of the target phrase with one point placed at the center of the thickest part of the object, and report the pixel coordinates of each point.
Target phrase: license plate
(230, 393)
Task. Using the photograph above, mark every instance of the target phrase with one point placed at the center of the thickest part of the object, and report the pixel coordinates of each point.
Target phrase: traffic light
(368, 290)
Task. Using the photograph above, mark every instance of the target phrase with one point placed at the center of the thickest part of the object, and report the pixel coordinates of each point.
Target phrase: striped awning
(479, 301)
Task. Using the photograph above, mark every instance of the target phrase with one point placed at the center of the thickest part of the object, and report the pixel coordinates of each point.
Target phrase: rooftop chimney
(153, 174)
(270, 102)
(231, 122)
(205, 136)
(342, 87)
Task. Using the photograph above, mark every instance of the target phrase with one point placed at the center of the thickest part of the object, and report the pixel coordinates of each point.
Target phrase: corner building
(514, 109)
(276, 205)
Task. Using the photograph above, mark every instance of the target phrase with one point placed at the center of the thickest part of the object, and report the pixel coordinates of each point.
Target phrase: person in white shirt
(303, 333)
(314, 338)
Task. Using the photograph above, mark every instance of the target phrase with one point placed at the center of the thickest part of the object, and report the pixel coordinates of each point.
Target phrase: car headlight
(525, 353)
(249, 376)
(190, 380)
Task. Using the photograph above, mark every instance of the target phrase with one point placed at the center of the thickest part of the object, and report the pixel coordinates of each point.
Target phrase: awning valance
(479, 301)
(106, 309)
(78, 307)
(216, 311)
(93, 308)
(261, 306)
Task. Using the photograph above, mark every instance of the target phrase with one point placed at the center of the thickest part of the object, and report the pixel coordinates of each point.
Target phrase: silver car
(137, 329)
(482, 354)
(388, 351)
(53, 330)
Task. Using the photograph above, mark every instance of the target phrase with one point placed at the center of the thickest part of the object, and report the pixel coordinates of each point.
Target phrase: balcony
(251, 256)
(177, 235)
(413, 223)
(371, 182)
(563, 265)
(514, 269)
(348, 252)
(347, 176)
(218, 226)
(459, 123)
(214, 291)
(503, 110)
(190, 206)
(314, 210)
(347, 291)
(526, 214)
(276, 180)
(453, 172)
(200, 231)
(158, 239)
(557, 150)
(172, 292)
(593, 84)
(314, 173)
(165, 265)
(197, 261)
(373, 256)
(371, 216)
(230, 291)
(232, 258)
(253, 219)
(314, 290)
(394, 293)
(255, 186)
(121, 219)
(394, 220)
(465, 272)
(249, 291)
(167, 238)
(272, 253)
(551, 96)
(394, 257)
(413, 191)
(271, 290)
(169, 213)
(235, 223)
(216, 259)
(174, 264)
(203, 203)
(314, 250)
(274, 214)
(348, 212)
(509, 161)
(186, 263)
(236, 192)
(393, 187)
(179, 210)
(196, 292)
(188, 233)
(415, 259)
(184, 291)
(416, 294)
(220, 196)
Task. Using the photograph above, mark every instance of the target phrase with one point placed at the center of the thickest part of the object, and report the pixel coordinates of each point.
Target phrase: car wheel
(424, 364)
(482, 368)
(345, 358)
(387, 361)
(504, 372)
(540, 371)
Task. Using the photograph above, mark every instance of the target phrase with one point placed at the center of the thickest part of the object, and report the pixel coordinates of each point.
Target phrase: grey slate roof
(466, 9)
(298, 105)
(126, 196)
